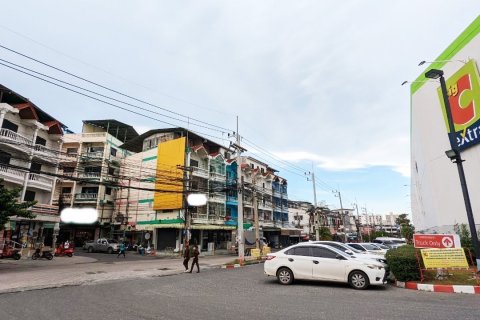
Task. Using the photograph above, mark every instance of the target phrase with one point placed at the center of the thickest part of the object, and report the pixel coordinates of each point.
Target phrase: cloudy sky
(315, 84)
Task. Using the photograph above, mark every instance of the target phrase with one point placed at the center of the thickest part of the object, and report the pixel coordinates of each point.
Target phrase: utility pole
(339, 195)
(315, 212)
(240, 235)
(255, 211)
(358, 223)
(368, 221)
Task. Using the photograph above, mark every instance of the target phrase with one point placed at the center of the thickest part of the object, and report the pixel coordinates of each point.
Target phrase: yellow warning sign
(444, 258)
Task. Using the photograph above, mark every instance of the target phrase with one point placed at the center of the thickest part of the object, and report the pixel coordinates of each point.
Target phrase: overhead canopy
(119, 130)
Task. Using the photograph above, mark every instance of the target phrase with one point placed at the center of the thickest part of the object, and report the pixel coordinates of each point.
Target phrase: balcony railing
(11, 173)
(45, 151)
(90, 175)
(10, 135)
(45, 209)
(86, 196)
(92, 155)
(39, 180)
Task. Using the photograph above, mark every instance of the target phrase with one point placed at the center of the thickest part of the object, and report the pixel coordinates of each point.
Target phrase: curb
(444, 288)
(239, 265)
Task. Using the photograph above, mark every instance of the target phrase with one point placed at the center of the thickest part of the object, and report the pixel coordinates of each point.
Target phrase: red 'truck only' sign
(436, 241)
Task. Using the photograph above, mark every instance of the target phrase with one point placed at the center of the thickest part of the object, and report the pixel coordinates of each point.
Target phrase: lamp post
(455, 156)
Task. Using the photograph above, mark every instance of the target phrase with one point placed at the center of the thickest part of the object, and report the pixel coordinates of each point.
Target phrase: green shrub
(403, 263)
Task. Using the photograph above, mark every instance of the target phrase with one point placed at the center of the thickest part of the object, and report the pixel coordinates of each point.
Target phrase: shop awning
(212, 227)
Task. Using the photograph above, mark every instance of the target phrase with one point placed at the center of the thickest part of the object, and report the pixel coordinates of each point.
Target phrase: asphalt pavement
(241, 293)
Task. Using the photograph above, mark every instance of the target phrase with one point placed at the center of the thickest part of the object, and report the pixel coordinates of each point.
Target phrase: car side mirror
(350, 252)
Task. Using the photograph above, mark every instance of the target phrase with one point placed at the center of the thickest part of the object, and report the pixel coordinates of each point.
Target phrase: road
(241, 293)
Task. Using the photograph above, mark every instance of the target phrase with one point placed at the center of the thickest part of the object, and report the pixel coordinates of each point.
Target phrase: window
(66, 190)
(5, 157)
(323, 253)
(111, 171)
(194, 185)
(68, 169)
(356, 246)
(193, 163)
(90, 190)
(113, 151)
(35, 167)
(29, 196)
(9, 125)
(108, 190)
(252, 165)
(72, 150)
(301, 251)
(40, 141)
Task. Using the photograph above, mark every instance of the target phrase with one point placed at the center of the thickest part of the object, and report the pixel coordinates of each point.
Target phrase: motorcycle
(61, 251)
(10, 251)
(42, 254)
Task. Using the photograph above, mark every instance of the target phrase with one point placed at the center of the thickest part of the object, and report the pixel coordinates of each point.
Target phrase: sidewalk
(80, 271)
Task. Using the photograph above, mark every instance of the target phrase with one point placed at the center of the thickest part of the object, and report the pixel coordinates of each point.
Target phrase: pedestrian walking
(195, 259)
(186, 256)
(121, 250)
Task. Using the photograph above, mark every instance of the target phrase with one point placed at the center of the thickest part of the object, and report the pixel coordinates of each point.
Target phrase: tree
(406, 228)
(325, 234)
(9, 206)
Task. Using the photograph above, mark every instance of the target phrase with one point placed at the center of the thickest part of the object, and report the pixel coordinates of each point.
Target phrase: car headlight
(372, 266)
(382, 260)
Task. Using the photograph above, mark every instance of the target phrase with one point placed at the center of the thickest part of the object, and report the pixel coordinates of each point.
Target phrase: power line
(107, 88)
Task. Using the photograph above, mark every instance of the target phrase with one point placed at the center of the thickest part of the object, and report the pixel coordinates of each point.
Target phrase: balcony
(86, 197)
(39, 181)
(15, 140)
(90, 175)
(45, 209)
(200, 172)
(221, 198)
(92, 156)
(12, 175)
(215, 176)
(46, 153)
(66, 198)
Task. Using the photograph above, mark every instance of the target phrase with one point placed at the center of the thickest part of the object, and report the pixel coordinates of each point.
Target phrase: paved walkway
(66, 271)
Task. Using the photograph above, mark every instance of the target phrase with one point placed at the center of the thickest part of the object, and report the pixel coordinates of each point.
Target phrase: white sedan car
(310, 261)
(367, 247)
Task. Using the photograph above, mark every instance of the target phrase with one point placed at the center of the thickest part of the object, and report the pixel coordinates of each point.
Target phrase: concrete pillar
(25, 181)
(2, 116)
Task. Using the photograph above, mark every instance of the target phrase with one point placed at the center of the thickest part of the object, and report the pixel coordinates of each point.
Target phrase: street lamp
(455, 156)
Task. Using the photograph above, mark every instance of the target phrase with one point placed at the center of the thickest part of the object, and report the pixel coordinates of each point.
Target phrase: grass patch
(452, 277)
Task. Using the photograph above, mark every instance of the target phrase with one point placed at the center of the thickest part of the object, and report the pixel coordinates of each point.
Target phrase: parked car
(381, 246)
(351, 251)
(102, 245)
(310, 261)
(390, 242)
(367, 248)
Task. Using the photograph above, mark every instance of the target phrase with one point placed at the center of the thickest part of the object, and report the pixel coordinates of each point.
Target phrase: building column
(27, 174)
(3, 112)
(56, 172)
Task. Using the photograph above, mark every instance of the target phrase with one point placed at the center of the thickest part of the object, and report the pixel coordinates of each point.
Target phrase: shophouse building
(89, 170)
(30, 145)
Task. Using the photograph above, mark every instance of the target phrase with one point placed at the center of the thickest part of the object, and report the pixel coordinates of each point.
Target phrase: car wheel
(358, 280)
(69, 255)
(109, 250)
(17, 256)
(285, 276)
(90, 249)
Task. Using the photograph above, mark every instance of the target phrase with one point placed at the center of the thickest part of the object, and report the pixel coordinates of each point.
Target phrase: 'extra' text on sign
(436, 241)
(444, 258)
